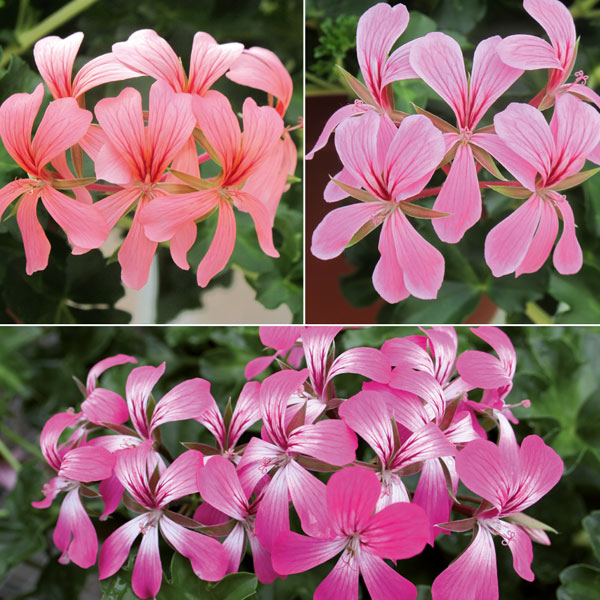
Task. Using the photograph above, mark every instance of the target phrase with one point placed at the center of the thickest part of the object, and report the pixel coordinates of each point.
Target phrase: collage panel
(299, 462)
(452, 154)
(150, 165)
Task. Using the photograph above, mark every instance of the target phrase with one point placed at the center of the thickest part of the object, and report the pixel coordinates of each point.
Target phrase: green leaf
(460, 15)
(592, 526)
(579, 582)
(580, 293)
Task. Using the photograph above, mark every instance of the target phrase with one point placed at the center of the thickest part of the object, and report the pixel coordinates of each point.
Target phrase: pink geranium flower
(378, 29)
(392, 165)
(364, 537)
(510, 482)
(62, 126)
(438, 60)
(239, 155)
(74, 534)
(207, 556)
(543, 158)
(136, 158)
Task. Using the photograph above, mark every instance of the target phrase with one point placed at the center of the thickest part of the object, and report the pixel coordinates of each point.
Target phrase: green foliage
(338, 36)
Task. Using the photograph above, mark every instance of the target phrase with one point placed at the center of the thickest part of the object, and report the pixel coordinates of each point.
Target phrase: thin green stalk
(9, 457)
(537, 314)
(21, 441)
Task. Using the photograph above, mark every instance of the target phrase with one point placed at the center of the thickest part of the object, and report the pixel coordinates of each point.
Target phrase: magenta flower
(378, 29)
(510, 482)
(438, 60)
(74, 534)
(207, 556)
(220, 487)
(280, 338)
(543, 158)
(136, 158)
(286, 442)
(83, 223)
(364, 537)
(390, 165)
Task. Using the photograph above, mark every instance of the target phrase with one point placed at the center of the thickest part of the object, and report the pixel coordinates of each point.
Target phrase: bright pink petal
(520, 546)
(106, 363)
(438, 60)
(146, 52)
(234, 544)
(50, 491)
(335, 231)
(139, 386)
(263, 222)
(147, 571)
(111, 492)
(482, 370)
(342, 582)
(294, 553)
(506, 245)
(406, 351)
(110, 166)
(388, 278)
(273, 515)
(179, 479)
(261, 559)
(528, 52)
(422, 385)
(279, 338)
(131, 469)
(383, 582)
(246, 412)
(208, 557)
(50, 435)
(426, 443)
(501, 343)
(102, 69)
(473, 575)
(329, 440)
(116, 548)
(87, 463)
(104, 406)
(75, 535)
(568, 257)
(35, 242)
(257, 365)
(368, 362)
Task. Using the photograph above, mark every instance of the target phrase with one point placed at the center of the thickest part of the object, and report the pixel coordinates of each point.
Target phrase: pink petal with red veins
(473, 575)
(105, 406)
(412, 156)
(396, 532)
(294, 553)
(11, 191)
(50, 435)
(342, 582)
(179, 479)
(235, 544)
(87, 463)
(501, 343)
(330, 440)
(113, 207)
(334, 193)
(528, 52)
(352, 495)
(138, 388)
(426, 443)
(261, 559)
(103, 365)
(506, 245)
(406, 351)
(279, 338)
(388, 278)
(368, 362)
(460, 197)
(438, 60)
(221, 247)
(341, 114)
(102, 69)
(111, 491)
(568, 258)
(208, 557)
(246, 412)
(181, 243)
(35, 242)
(146, 52)
(116, 548)
(263, 223)
(482, 370)
(75, 535)
(338, 227)
(220, 486)
(273, 516)
(422, 385)
(54, 58)
(17, 115)
(258, 458)
(209, 61)
(131, 469)
(93, 141)
(397, 67)
(147, 571)
(383, 582)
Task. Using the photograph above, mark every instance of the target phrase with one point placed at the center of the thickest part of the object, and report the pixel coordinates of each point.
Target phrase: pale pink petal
(397, 67)
(146, 52)
(261, 559)
(273, 515)
(179, 479)
(438, 60)
(185, 160)
(111, 492)
(221, 247)
(406, 351)
(35, 242)
(528, 52)
(334, 120)
(279, 338)
(147, 571)
(388, 278)
(263, 222)
(116, 548)
(473, 575)
(75, 535)
(383, 582)
(131, 469)
(187, 400)
(334, 193)
(54, 58)
(507, 243)
(87, 463)
(294, 553)
(482, 370)
(520, 546)
(329, 440)
(208, 557)
(138, 388)
(180, 244)
(342, 582)
(422, 264)
(102, 69)
(424, 386)
(335, 231)
(220, 486)
(568, 257)
(501, 343)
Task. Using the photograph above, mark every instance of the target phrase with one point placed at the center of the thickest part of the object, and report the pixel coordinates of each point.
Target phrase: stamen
(581, 77)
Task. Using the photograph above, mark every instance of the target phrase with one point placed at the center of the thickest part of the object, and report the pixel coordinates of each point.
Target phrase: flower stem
(9, 457)
(21, 441)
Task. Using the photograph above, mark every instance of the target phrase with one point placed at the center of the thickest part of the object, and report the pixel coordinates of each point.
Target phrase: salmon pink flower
(438, 60)
(392, 165)
(543, 158)
(364, 537)
(136, 158)
(207, 557)
(510, 481)
(83, 223)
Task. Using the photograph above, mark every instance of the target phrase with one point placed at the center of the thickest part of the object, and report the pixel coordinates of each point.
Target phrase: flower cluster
(150, 158)
(389, 156)
(421, 411)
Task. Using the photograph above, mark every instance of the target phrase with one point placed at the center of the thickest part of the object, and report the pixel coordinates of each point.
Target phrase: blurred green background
(541, 297)
(558, 370)
(84, 289)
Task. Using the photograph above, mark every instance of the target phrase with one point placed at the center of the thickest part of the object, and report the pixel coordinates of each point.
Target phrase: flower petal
(294, 553)
(116, 548)
(329, 440)
(388, 278)
(179, 478)
(102, 69)
(147, 571)
(382, 581)
(138, 388)
(342, 582)
(87, 463)
(568, 257)
(35, 242)
(528, 52)
(263, 222)
(272, 517)
(54, 58)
